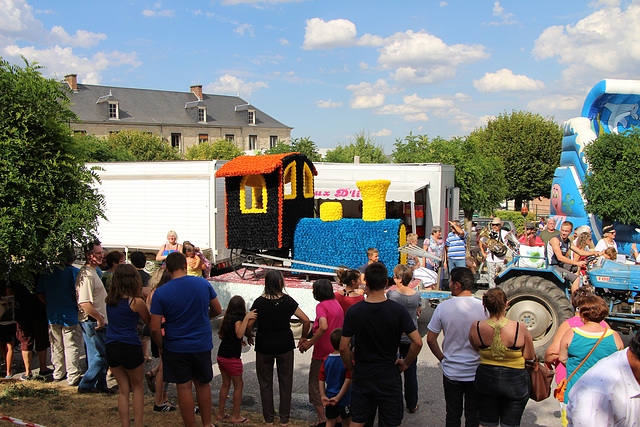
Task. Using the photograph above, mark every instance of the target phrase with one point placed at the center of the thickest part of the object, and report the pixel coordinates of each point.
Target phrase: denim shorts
(503, 394)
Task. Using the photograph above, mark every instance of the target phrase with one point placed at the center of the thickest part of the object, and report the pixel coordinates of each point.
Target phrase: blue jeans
(452, 263)
(96, 375)
(410, 379)
(503, 394)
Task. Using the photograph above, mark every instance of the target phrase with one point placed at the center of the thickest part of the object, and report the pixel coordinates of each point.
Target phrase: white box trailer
(144, 200)
(423, 194)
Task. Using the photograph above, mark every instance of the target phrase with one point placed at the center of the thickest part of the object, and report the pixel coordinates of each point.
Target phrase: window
(202, 114)
(273, 141)
(253, 194)
(289, 178)
(113, 110)
(307, 183)
(79, 132)
(251, 117)
(230, 137)
(253, 141)
(202, 138)
(175, 140)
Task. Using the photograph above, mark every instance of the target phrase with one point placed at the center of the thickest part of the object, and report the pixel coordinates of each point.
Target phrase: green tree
(479, 177)
(143, 146)
(611, 188)
(47, 203)
(307, 147)
(90, 148)
(280, 148)
(529, 147)
(363, 147)
(217, 150)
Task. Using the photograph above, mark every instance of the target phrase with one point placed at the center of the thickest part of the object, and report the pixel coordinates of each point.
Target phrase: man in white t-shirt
(495, 263)
(608, 234)
(93, 320)
(454, 318)
(608, 394)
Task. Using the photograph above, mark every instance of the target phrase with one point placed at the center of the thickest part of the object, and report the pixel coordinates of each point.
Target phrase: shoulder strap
(585, 359)
(517, 329)
(480, 336)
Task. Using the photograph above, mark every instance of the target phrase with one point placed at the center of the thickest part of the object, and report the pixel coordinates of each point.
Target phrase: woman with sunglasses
(609, 233)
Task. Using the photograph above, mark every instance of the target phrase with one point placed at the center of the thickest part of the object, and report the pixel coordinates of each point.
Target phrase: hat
(608, 229)
(496, 220)
(528, 224)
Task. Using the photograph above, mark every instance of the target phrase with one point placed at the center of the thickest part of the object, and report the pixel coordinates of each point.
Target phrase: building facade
(183, 119)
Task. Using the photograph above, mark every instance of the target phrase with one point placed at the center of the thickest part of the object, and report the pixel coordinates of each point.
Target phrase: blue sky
(331, 69)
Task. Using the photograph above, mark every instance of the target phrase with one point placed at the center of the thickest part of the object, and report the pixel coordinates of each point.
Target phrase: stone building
(182, 119)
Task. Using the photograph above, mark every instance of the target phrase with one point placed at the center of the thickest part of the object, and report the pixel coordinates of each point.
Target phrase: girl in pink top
(553, 351)
(329, 316)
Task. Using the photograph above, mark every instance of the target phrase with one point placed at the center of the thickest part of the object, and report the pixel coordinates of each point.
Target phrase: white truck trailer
(144, 200)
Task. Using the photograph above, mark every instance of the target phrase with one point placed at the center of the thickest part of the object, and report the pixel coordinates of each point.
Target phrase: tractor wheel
(540, 305)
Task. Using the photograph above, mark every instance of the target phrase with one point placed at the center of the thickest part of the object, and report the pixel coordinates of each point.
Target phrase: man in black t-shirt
(377, 323)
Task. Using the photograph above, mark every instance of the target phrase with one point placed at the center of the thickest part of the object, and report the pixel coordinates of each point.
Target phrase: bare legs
(187, 405)
(238, 384)
(130, 380)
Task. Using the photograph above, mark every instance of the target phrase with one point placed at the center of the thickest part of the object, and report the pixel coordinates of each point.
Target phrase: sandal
(151, 381)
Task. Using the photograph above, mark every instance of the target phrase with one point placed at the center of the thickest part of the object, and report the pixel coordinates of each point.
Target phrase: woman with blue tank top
(123, 346)
(577, 342)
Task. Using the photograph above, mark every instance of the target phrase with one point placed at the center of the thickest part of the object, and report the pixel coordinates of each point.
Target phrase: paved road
(431, 396)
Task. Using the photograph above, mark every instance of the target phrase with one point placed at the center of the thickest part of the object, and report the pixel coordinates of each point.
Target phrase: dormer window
(113, 110)
(202, 114)
(251, 117)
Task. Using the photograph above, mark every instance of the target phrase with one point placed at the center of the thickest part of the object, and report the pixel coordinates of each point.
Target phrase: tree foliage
(124, 146)
(363, 147)
(479, 177)
(302, 145)
(611, 188)
(47, 203)
(528, 146)
(90, 148)
(217, 150)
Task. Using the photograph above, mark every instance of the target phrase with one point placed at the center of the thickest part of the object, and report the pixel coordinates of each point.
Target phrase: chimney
(197, 91)
(72, 81)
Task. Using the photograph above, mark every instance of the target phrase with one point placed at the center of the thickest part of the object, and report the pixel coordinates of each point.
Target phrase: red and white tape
(19, 422)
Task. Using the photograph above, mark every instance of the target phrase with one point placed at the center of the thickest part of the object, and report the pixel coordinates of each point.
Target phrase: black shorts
(127, 355)
(382, 392)
(8, 333)
(337, 411)
(33, 331)
(180, 368)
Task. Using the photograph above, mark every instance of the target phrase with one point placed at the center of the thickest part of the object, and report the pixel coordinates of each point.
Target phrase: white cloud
(244, 29)
(414, 107)
(463, 120)
(462, 97)
(229, 84)
(553, 103)
(284, 42)
(367, 95)
(505, 80)
(328, 104)
(382, 132)
(605, 42)
(420, 117)
(61, 60)
(422, 58)
(363, 66)
(17, 21)
(367, 101)
(443, 3)
(327, 35)
(82, 38)
(165, 13)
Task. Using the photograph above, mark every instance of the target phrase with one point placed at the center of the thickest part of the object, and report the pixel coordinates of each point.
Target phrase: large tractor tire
(539, 304)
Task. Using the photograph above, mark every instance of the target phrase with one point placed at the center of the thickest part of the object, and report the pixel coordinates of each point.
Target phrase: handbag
(558, 393)
(541, 378)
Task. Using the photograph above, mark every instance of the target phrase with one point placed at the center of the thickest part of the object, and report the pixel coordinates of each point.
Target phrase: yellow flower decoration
(331, 211)
(374, 207)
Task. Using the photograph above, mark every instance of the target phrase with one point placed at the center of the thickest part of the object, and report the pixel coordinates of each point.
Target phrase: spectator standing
(112, 259)
(274, 343)
(91, 296)
(335, 384)
(429, 271)
(607, 241)
(377, 324)
(373, 255)
(32, 330)
(413, 261)
(550, 231)
(351, 294)
(455, 246)
(186, 302)
(58, 291)
(612, 399)
(329, 316)
(410, 299)
(495, 263)
(171, 246)
(7, 326)
(502, 381)
(453, 317)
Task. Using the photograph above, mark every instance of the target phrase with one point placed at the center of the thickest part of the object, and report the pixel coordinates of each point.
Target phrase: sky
(333, 69)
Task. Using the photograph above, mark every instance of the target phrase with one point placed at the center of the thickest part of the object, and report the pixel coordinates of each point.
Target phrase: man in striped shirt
(455, 246)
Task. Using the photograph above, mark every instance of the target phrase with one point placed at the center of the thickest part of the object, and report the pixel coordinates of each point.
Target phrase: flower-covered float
(270, 206)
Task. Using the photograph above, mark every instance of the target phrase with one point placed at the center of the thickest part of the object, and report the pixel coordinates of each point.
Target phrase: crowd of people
(364, 339)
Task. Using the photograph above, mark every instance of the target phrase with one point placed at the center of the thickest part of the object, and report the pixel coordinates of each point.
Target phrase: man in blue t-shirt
(58, 291)
(187, 303)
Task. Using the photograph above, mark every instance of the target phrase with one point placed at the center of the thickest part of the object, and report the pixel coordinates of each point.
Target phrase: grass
(56, 404)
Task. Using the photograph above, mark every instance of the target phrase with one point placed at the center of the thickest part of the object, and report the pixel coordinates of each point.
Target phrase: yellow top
(497, 354)
(193, 272)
